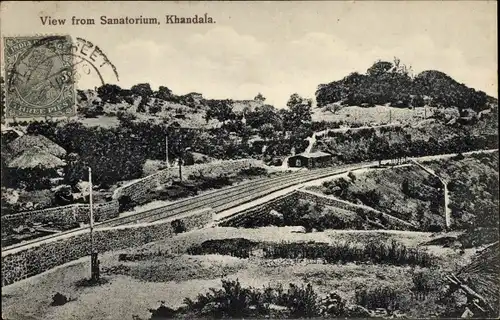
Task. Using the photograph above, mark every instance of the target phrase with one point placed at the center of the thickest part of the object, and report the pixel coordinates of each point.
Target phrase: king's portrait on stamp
(39, 72)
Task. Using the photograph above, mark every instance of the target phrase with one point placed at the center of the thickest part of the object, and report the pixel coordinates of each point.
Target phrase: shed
(311, 160)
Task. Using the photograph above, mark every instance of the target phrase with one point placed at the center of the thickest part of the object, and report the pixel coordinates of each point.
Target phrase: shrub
(59, 299)
(351, 176)
(237, 247)
(253, 171)
(235, 301)
(125, 203)
(163, 312)
(378, 297)
(178, 226)
(376, 252)
(231, 301)
(423, 283)
(302, 301)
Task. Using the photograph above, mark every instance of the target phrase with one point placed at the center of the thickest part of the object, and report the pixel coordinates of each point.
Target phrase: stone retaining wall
(76, 213)
(264, 208)
(24, 262)
(393, 222)
(137, 190)
(258, 210)
(63, 215)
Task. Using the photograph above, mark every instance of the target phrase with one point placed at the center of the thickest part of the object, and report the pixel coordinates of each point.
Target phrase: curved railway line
(219, 200)
(223, 199)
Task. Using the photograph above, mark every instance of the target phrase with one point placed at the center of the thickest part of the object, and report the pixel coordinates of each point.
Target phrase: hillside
(411, 194)
(103, 106)
(408, 193)
(473, 186)
(426, 137)
(392, 83)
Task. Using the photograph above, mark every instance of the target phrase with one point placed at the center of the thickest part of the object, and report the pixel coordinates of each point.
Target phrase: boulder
(275, 214)
(357, 311)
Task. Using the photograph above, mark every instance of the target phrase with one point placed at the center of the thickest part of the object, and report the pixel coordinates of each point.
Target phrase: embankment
(24, 262)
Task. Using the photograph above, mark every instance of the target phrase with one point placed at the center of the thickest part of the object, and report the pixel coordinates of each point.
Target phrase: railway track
(218, 200)
(223, 199)
(227, 198)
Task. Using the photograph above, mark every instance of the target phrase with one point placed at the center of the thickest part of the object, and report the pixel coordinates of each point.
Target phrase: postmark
(43, 72)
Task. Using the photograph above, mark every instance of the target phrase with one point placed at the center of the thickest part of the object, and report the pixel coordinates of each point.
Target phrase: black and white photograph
(249, 160)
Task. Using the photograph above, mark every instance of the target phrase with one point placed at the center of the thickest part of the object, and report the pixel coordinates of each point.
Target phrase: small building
(311, 160)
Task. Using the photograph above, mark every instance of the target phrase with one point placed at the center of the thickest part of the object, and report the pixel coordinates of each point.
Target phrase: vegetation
(393, 83)
(474, 192)
(399, 142)
(406, 193)
(195, 183)
(235, 301)
(301, 301)
(375, 252)
(59, 299)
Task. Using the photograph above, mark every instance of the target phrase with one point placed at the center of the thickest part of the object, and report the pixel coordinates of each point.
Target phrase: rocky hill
(392, 83)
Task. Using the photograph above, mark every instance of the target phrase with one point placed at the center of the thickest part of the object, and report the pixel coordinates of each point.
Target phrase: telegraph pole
(180, 168)
(91, 213)
(94, 264)
(166, 150)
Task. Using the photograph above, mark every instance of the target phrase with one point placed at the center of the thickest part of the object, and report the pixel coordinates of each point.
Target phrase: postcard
(278, 159)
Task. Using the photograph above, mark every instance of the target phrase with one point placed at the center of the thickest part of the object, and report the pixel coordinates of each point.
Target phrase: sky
(276, 48)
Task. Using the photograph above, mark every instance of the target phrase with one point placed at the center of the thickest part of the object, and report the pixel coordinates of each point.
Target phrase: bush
(302, 301)
(178, 226)
(378, 297)
(351, 176)
(392, 252)
(125, 203)
(163, 312)
(59, 299)
(423, 283)
(237, 247)
(235, 301)
(253, 171)
(176, 192)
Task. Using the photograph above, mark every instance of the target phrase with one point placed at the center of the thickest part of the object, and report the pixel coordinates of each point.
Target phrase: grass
(172, 276)
(374, 252)
(408, 193)
(474, 192)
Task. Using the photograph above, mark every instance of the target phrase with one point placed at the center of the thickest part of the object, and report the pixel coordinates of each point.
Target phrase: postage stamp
(39, 73)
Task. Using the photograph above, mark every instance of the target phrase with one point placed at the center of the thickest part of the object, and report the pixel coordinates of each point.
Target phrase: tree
(155, 108)
(164, 93)
(417, 101)
(74, 170)
(296, 99)
(334, 107)
(378, 148)
(379, 68)
(300, 112)
(259, 97)
(267, 131)
(109, 93)
(220, 110)
(142, 89)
